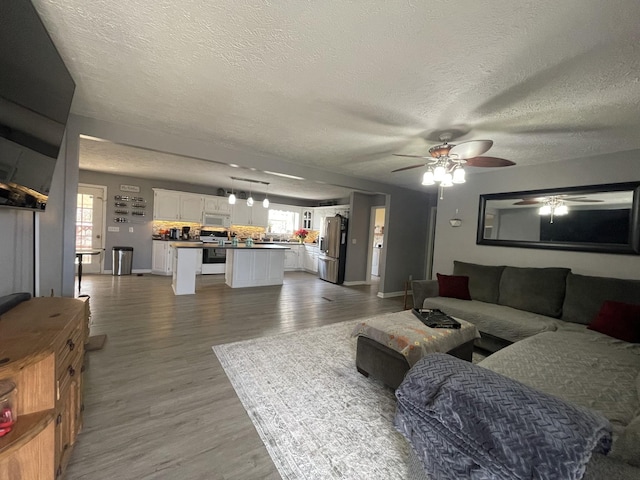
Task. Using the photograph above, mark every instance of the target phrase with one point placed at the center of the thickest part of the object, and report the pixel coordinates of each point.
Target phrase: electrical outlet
(130, 229)
(353, 240)
(410, 277)
(113, 229)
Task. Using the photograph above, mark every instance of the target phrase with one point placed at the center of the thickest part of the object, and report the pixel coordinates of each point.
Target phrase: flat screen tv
(36, 90)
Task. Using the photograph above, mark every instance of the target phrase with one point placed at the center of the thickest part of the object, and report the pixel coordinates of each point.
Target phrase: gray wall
(460, 243)
(359, 230)
(406, 227)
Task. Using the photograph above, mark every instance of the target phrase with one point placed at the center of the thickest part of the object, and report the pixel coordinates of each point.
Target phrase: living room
(558, 138)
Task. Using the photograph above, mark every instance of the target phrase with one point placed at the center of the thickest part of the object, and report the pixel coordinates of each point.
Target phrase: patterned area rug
(317, 416)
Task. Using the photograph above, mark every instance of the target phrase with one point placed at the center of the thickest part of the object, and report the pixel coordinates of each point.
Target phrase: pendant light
(265, 202)
(250, 199)
(232, 197)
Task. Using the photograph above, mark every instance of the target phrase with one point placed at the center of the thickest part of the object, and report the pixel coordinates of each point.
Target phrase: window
(283, 221)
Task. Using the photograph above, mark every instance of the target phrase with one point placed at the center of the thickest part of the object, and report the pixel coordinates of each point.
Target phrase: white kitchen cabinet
(162, 258)
(294, 258)
(214, 204)
(310, 258)
(166, 205)
(307, 219)
(172, 205)
(240, 213)
(256, 216)
(191, 207)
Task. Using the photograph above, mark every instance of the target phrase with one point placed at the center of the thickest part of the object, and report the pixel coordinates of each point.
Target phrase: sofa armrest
(423, 289)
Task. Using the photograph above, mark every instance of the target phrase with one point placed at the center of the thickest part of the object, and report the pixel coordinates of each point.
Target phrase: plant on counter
(301, 234)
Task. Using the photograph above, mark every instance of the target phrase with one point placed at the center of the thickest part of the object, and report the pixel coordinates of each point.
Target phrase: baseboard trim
(391, 294)
(354, 283)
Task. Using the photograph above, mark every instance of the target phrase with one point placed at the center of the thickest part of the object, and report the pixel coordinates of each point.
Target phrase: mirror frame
(631, 248)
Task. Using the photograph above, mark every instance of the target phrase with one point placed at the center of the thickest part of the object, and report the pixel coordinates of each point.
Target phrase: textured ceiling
(342, 85)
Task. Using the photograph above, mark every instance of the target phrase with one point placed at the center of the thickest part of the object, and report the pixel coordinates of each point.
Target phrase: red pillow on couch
(618, 320)
(454, 286)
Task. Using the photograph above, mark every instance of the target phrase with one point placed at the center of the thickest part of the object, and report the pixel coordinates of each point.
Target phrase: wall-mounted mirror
(597, 218)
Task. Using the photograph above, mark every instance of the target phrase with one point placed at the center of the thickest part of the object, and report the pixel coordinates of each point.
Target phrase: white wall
(460, 243)
(16, 251)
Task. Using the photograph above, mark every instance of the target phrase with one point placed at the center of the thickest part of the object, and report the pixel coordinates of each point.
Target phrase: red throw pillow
(454, 286)
(618, 320)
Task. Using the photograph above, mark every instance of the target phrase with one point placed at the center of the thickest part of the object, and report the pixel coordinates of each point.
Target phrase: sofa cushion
(586, 294)
(497, 320)
(484, 280)
(538, 290)
(618, 320)
(454, 286)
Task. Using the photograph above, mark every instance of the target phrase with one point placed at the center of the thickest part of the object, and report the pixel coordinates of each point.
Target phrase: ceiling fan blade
(583, 199)
(527, 202)
(470, 149)
(489, 162)
(412, 156)
(407, 168)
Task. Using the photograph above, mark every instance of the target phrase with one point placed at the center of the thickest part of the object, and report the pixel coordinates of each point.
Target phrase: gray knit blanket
(467, 422)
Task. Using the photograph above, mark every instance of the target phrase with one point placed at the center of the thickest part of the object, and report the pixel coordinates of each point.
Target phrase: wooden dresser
(42, 352)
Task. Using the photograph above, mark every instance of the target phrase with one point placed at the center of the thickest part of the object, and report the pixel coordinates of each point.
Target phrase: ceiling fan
(539, 200)
(446, 162)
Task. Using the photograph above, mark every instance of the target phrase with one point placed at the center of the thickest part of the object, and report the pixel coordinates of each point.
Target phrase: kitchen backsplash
(242, 231)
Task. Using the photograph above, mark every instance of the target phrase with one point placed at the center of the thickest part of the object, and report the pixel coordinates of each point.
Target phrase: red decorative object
(618, 320)
(454, 286)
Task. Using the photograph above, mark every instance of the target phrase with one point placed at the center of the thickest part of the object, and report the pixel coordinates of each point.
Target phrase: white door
(90, 225)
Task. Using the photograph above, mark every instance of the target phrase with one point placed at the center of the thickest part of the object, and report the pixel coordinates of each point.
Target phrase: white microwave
(219, 220)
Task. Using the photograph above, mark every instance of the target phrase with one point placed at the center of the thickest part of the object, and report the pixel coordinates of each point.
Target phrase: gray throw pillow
(586, 294)
(537, 290)
(484, 280)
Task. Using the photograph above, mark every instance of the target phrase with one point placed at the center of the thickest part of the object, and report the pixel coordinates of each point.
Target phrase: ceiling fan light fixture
(438, 173)
(232, 199)
(265, 203)
(427, 178)
(544, 210)
(561, 210)
(447, 180)
(459, 175)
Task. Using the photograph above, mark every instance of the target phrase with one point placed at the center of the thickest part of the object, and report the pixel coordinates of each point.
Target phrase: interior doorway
(90, 212)
(376, 242)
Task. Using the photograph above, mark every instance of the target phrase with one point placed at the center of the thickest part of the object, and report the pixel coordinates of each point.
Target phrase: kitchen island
(254, 266)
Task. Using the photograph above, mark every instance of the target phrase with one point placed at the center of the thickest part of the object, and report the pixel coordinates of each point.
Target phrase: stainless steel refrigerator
(333, 249)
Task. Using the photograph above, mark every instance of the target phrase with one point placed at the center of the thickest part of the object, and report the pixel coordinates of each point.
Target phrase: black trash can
(121, 260)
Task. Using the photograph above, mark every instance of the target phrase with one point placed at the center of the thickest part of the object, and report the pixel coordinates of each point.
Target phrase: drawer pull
(71, 371)
(59, 419)
(71, 344)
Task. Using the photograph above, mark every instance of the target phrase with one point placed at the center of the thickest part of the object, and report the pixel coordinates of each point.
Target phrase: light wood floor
(158, 405)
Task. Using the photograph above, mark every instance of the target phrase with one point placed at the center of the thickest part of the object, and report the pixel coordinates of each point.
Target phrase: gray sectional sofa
(537, 319)
(509, 304)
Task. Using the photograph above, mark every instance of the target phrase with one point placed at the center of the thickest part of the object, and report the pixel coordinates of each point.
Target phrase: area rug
(317, 416)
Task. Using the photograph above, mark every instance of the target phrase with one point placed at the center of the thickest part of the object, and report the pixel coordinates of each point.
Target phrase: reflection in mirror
(600, 218)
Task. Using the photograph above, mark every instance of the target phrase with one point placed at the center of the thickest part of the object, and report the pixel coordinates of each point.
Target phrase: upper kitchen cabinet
(256, 216)
(214, 204)
(171, 205)
(191, 208)
(307, 219)
(166, 205)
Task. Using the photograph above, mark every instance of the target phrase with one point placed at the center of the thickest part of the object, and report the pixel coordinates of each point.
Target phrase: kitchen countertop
(240, 246)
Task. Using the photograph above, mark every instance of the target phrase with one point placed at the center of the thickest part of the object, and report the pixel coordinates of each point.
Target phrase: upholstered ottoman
(389, 345)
